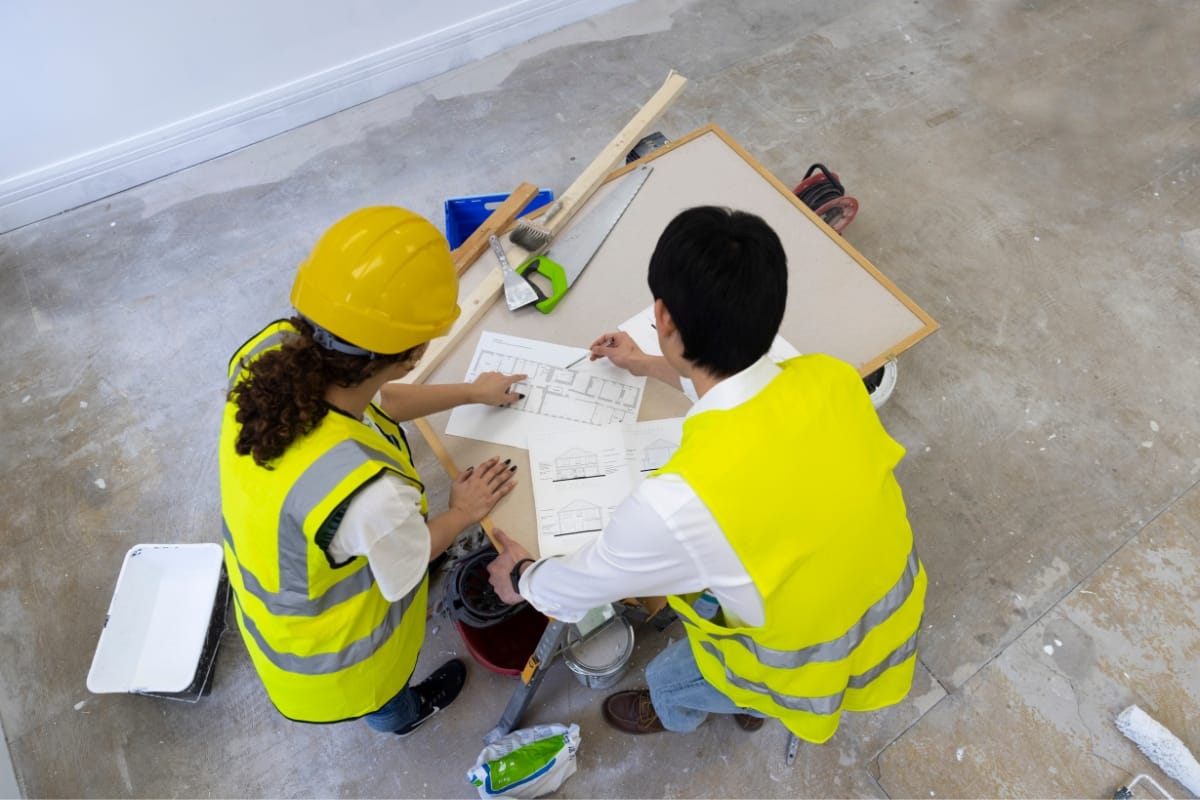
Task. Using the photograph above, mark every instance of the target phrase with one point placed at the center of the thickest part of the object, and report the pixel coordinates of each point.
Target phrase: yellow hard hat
(380, 279)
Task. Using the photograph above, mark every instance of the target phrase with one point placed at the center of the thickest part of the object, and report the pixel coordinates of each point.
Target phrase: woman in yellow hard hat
(326, 526)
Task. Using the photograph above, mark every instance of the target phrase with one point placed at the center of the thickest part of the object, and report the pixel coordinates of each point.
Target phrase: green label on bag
(523, 763)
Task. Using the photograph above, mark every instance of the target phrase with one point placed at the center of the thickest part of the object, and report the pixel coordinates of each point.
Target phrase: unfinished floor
(1029, 172)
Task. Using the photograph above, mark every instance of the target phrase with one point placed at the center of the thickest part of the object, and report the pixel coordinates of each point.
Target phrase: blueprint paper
(580, 477)
(589, 394)
(640, 328)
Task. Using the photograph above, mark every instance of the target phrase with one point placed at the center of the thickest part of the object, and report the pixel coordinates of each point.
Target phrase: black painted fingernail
(508, 461)
(513, 468)
(521, 396)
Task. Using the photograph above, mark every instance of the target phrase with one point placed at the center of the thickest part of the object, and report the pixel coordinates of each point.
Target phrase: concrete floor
(1029, 173)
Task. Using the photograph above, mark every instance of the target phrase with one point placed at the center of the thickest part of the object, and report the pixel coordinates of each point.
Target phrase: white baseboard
(67, 184)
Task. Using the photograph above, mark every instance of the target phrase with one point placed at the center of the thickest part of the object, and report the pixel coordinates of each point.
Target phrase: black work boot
(437, 691)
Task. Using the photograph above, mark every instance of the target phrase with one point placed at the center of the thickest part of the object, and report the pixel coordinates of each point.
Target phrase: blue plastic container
(465, 214)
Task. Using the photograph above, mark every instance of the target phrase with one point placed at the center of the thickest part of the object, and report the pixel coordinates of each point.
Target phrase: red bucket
(506, 646)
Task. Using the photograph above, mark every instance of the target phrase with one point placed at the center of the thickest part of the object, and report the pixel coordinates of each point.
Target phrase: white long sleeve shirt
(661, 540)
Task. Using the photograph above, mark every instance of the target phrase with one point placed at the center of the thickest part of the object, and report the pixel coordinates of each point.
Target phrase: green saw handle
(558, 281)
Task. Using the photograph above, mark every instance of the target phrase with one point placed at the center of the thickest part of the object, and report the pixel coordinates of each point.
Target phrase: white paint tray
(164, 621)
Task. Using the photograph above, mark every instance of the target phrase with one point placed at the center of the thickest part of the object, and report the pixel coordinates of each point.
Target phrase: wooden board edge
(929, 325)
(893, 354)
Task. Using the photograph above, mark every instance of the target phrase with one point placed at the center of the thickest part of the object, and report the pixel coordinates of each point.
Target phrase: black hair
(722, 274)
(283, 396)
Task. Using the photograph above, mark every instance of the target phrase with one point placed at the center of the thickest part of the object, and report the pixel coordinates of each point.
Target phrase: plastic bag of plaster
(527, 763)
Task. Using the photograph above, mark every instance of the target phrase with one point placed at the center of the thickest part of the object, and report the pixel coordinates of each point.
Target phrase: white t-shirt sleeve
(383, 522)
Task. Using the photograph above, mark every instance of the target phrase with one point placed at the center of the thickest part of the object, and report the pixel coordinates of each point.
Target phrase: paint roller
(1160, 746)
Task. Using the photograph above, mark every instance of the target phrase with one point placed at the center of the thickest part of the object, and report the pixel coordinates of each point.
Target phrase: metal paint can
(600, 659)
(887, 384)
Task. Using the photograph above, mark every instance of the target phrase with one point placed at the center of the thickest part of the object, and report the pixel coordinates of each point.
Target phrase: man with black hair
(777, 530)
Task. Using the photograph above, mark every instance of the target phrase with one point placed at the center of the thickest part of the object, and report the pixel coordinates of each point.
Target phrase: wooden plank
(612, 156)
(497, 223)
(447, 461)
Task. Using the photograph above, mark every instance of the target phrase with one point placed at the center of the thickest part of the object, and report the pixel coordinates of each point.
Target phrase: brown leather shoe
(748, 722)
(632, 712)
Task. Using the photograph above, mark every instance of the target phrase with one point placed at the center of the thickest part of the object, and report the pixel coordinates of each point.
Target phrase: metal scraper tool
(517, 291)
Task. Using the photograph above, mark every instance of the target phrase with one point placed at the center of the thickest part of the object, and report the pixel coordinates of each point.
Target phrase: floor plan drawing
(585, 394)
(565, 393)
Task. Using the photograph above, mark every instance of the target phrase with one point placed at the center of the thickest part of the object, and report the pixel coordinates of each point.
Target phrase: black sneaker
(437, 691)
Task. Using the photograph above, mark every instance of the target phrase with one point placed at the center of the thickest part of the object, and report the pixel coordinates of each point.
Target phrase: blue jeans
(681, 695)
(396, 713)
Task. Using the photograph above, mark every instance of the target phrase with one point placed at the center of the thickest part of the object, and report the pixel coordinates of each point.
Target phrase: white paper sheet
(640, 328)
(580, 477)
(585, 395)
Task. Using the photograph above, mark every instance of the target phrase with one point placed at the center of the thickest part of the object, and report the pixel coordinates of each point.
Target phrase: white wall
(96, 97)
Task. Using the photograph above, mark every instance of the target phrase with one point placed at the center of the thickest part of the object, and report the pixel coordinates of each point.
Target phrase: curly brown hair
(283, 395)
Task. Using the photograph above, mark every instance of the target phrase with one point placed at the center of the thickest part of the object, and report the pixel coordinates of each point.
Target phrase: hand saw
(573, 250)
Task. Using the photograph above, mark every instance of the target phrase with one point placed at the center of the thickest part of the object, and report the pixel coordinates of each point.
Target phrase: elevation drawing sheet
(563, 391)
(581, 476)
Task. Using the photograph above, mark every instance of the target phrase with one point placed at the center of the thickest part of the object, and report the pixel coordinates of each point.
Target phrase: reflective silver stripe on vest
(274, 340)
(289, 601)
(897, 656)
(836, 649)
(327, 663)
(317, 482)
(828, 704)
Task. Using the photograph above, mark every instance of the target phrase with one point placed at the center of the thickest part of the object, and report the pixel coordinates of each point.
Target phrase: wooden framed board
(838, 302)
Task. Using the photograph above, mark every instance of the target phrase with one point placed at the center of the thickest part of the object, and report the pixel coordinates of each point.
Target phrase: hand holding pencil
(619, 348)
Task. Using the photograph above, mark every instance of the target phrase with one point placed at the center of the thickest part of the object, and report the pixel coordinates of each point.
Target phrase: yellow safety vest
(325, 642)
(799, 478)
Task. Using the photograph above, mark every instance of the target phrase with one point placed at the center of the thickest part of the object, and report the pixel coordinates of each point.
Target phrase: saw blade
(575, 248)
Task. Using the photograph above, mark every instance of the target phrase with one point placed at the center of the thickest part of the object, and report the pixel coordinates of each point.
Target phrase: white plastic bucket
(887, 385)
(164, 622)
(600, 659)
